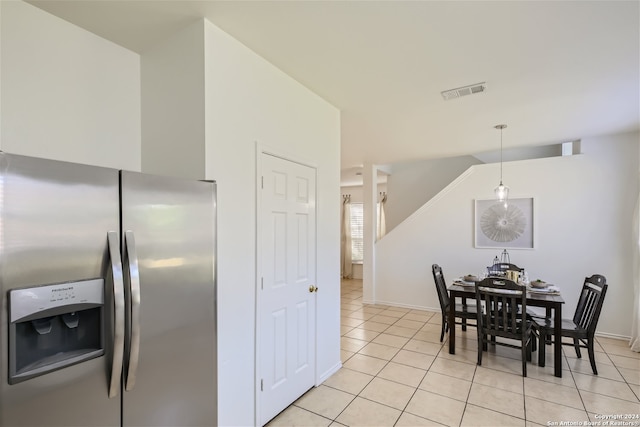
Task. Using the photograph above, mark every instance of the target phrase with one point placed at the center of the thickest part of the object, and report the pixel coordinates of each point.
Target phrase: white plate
(542, 285)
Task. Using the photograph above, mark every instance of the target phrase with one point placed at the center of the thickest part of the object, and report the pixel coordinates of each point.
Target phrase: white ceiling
(555, 70)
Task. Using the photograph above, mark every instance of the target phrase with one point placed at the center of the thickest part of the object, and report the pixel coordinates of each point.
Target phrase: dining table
(552, 302)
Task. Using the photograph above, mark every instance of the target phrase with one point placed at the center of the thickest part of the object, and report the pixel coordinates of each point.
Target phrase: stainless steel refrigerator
(108, 314)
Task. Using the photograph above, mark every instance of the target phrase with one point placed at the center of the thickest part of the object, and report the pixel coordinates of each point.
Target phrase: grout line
(353, 290)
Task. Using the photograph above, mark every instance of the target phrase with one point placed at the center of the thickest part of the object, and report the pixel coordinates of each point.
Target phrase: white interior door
(287, 311)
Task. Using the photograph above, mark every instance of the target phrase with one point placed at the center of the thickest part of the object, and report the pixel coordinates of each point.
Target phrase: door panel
(279, 249)
(54, 219)
(287, 345)
(301, 329)
(174, 226)
(302, 248)
(279, 346)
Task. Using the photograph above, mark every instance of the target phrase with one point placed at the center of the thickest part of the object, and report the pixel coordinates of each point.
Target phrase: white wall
(583, 210)
(521, 153)
(67, 94)
(412, 184)
(1, 76)
(249, 100)
(173, 110)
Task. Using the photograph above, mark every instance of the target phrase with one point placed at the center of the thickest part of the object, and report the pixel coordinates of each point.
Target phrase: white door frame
(261, 150)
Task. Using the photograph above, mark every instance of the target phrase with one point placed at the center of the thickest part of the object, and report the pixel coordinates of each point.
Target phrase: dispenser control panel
(26, 302)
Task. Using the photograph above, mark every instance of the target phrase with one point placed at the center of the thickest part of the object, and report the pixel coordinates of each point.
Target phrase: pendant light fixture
(502, 191)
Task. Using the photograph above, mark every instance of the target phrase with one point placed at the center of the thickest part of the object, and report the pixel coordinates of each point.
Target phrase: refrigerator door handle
(134, 281)
(118, 300)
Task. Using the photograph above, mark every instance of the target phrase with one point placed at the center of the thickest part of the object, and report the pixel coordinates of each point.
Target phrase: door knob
(313, 288)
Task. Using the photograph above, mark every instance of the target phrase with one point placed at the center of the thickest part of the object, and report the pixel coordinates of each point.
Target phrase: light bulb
(502, 192)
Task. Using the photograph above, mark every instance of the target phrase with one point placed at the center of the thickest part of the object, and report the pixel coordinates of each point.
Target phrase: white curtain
(345, 240)
(634, 343)
(381, 228)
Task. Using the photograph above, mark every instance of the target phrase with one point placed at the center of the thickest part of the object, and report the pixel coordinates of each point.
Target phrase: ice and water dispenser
(54, 326)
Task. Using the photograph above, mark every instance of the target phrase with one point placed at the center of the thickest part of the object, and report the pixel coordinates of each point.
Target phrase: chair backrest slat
(503, 300)
(590, 303)
(589, 309)
(441, 287)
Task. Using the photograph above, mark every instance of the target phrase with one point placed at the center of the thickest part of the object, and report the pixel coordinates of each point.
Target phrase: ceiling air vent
(464, 91)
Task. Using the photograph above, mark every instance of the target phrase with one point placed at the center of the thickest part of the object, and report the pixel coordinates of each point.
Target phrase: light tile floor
(397, 373)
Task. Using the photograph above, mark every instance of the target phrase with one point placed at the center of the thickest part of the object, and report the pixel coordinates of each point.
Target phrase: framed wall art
(507, 226)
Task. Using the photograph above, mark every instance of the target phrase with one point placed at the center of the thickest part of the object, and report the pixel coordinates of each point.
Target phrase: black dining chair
(503, 299)
(582, 327)
(500, 270)
(462, 311)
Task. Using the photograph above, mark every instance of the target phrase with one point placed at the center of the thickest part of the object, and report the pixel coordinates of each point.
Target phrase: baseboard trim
(411, 306)
(613, 336)
(335, 368)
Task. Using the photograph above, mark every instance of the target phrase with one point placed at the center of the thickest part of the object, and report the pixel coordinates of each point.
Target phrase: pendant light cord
(501, 190)
(501, 128)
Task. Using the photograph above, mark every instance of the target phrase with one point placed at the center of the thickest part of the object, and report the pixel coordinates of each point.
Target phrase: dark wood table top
(537, 297)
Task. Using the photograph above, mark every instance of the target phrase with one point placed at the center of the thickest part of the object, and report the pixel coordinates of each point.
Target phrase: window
(357, 232)
(357, 236)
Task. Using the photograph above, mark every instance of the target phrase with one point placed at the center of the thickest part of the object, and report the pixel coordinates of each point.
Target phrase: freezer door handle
(134, 291)
(118, 302)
